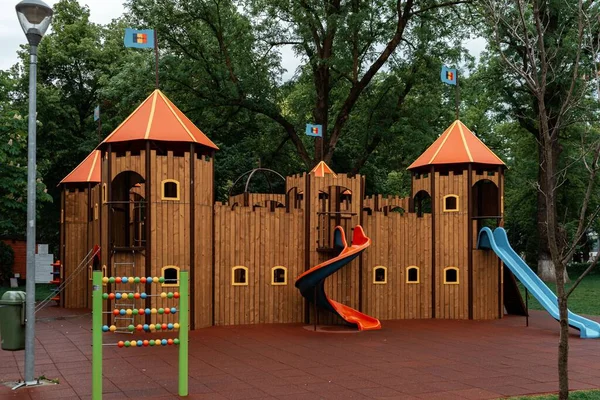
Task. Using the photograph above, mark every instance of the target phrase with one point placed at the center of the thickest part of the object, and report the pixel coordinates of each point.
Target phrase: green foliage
(7, 260)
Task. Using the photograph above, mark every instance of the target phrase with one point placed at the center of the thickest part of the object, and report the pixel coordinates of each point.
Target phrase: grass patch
(579, 395)
(42, 290)
(584, 300)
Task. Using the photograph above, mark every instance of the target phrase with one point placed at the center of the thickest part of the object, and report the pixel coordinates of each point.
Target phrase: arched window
(170, 189)
(239, 276)
(451, 276)
(279, 276)
(451, 203)
(412, 274)
(379, 275)
(171, 275)
(422, 203)
(96, 212)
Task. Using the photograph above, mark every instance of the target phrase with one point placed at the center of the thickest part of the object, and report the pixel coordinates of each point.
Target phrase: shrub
(7, 260)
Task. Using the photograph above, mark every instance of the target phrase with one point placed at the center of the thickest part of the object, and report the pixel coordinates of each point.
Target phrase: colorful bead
(155, 280)
(105, 328)
(111, 280)
(116, 312)
(136, 296)
(152, 327)
(117, 279)
(145, 342)
(176, 341)
(170, 295)
(167, 310)
(139, 327)
(122, 311)
(169, 326)
(169, 342)
(113, 328)
(141, 311)
(105, 280)
(164, 327)
(163, 295)
(157, 342)
(147, 311)
(124, 279)
(127, 343)
(149, 280)
(143, 295)
(173, 310)
(143, 279)
(163, 342)
(176, 325)
(131, 328)
(130, 279)
(129, 312)
(176, 295)
(136, 279)
(161, 310)
(161, 279)
(146, 328)
(118, 296)
(111, 296)
(121, 343)
(105, 296)
(140, 343)
(153, 311)
(151, 342)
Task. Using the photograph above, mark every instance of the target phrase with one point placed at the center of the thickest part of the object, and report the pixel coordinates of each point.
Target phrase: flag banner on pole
(96, 113)
(449, 75)
(314, 130)
(139, 38)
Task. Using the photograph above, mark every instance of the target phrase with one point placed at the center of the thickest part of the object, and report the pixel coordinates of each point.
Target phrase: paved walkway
(422, 359)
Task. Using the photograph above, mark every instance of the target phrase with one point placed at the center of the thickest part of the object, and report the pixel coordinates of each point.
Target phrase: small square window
(170, 189)
(380, 275)
(239, 276)
(412, 275)
(450, 203)
(279, 276)
(451, 276)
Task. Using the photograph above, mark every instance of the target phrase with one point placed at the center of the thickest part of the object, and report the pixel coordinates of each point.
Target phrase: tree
(556, 42)
(343, 45)
(13, 162)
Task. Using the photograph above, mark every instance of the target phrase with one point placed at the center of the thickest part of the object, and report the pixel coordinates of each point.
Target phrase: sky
(102, 12)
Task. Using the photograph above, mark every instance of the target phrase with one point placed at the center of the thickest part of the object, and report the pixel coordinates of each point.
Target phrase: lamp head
(35, 17)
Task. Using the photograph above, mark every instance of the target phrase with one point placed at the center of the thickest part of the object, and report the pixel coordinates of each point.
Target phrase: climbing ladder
(124, 268)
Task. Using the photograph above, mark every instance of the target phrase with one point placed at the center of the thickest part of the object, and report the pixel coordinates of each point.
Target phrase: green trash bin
(12, 320)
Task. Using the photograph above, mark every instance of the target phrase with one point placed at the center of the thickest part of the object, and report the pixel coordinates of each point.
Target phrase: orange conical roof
(321, 169)
(457, 145)
(157, 118)
(88, 171)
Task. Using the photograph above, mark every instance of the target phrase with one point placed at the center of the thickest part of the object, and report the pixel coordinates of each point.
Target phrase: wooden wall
(380, 202)
(75, 225)
(256, 199)
(452, 247)
(487, 285)
(398, 241)
(259, 240)
(202, 276)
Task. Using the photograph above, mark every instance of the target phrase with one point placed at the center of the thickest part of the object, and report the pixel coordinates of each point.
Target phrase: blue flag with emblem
(449, 75)
(314, 130)
(96, 113)
(139, 38)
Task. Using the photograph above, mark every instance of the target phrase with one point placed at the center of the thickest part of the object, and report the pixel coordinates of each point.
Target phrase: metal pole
(526, 307)
(97, 335)
(184, 327)
(31, 201)
(457, 96)
(315, 308)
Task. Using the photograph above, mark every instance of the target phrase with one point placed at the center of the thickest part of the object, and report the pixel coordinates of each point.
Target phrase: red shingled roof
(457, 145)
(88, 171)
(157, 118)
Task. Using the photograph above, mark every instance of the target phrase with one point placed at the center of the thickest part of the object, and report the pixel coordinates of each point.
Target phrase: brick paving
(410, 359)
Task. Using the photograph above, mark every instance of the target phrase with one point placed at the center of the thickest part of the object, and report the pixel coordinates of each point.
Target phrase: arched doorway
(422, 202)
(485, 204)
(127, 210)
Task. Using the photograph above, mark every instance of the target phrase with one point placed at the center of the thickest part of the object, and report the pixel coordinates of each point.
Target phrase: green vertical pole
(184, 327)
(97, 335)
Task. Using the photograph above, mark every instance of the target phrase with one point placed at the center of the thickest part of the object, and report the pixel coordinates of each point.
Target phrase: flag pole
(156, 56)
(100, 128)
(457, 95)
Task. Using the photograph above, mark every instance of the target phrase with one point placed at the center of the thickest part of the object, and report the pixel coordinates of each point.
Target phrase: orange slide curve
(311, 282)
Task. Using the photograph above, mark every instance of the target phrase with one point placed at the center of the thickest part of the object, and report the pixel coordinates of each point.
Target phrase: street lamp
(35, 17)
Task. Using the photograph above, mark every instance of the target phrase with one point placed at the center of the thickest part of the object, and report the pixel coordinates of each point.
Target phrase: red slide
(312, 281)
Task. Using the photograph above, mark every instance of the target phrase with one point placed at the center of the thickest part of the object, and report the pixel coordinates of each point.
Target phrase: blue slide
(498, 242)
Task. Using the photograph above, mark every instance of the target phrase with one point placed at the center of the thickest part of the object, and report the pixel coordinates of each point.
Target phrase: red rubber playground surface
(422, 359)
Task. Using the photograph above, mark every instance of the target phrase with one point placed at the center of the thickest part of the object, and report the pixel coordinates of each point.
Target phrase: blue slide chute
(498, 242)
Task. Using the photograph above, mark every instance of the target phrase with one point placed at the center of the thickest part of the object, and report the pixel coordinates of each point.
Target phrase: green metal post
(184, 327)
(97, 335)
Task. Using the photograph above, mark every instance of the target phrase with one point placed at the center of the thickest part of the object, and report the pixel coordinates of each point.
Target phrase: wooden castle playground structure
(146, 196)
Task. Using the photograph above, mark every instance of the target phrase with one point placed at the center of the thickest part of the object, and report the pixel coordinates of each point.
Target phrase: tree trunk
(563, 344)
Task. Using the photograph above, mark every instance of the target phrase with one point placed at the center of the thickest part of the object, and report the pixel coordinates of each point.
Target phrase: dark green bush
(7, 260)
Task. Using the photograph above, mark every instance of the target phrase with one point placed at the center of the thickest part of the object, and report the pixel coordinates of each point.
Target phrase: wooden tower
(459, 180)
